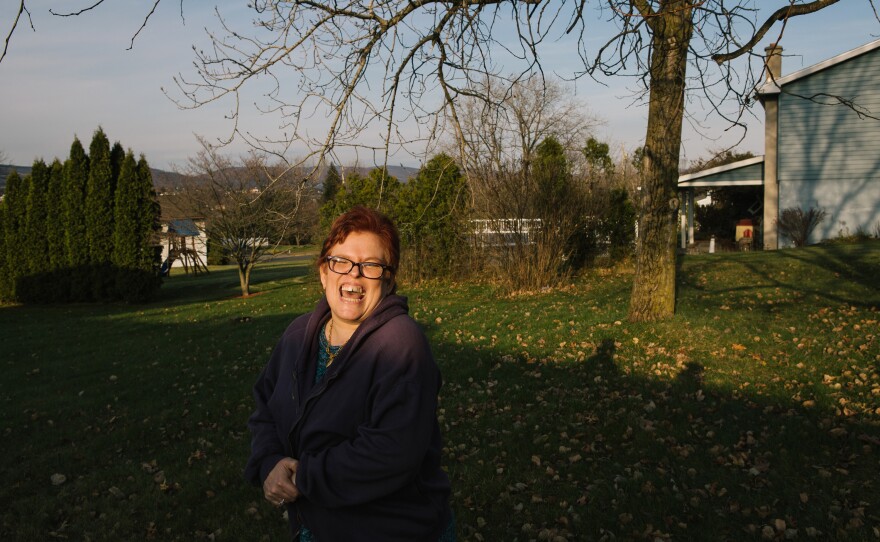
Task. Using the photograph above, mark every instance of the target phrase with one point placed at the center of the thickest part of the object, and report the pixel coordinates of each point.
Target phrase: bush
(216, 254)
(797, 224)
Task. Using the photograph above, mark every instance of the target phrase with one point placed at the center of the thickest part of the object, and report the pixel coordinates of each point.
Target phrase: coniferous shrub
(134, 259)
(117, 156)
(76, 242)
(35, 245)
(99, 215)
(5, 280)
(621, 222)
(35, 248)
(216, 254)
(125, 234)
(331, 184)
(54, 249)
(431, 220)
(57, 256)
(15, 204)
(377, 190)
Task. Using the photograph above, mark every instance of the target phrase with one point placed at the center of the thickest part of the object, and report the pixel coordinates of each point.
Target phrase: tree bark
(653, 295)
(244, 279)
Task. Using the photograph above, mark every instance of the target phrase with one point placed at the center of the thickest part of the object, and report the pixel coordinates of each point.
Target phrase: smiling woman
(345, 432)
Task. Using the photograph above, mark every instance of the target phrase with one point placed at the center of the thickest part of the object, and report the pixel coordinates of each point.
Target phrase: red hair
(364, 220)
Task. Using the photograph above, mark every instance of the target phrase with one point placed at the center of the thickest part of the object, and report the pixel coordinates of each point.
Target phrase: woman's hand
(278, 488)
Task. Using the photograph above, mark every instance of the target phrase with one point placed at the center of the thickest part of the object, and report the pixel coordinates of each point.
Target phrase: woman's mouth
(351, 292)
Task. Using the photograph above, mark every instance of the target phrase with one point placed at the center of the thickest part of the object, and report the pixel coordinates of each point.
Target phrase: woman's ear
(322, 272)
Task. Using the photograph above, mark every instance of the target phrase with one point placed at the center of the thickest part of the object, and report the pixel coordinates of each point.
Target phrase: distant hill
(6, 169)
(160, 177)
(401, 173)
(169, 180)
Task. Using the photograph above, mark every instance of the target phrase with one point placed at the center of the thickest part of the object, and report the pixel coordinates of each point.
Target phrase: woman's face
(352, 297)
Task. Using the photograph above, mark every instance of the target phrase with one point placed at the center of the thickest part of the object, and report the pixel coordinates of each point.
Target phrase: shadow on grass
(853, 276)
(590, 451)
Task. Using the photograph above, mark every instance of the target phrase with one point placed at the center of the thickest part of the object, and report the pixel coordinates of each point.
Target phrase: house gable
(829, 153)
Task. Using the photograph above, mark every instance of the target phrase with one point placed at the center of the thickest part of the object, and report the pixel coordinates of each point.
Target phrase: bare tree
(515, 143)
(504, 123)
(247, 206)
(501, 126)
(405, 63)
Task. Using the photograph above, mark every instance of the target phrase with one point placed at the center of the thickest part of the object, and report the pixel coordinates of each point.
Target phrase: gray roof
(774, 87)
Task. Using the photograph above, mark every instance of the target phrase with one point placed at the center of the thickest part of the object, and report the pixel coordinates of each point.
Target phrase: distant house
(504, 232)
(818, 152)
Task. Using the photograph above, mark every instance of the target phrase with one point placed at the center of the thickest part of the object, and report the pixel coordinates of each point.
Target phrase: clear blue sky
(73, 74)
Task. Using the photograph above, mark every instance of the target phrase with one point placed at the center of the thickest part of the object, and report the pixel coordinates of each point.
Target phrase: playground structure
(184, 245)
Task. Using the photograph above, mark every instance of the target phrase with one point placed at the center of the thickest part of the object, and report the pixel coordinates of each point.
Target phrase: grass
(751, 415)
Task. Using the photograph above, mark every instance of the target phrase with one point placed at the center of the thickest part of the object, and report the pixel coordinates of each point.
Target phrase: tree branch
(22, 8)
(75, 13)
(146, 20)
(781, 14)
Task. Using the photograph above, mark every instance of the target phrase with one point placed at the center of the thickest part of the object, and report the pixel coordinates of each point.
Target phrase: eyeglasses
(369, 270)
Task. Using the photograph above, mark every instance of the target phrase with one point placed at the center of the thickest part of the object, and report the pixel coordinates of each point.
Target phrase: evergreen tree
(15, 202)
(55, 223)
(5, 284)
(99, 205)
(99, 213)
(76, 175)
(150, 222)
(551, 176)
(117, 156)
(136, 218)
(13, 215)
(126, 245)
(36, 284)
(598, 158)
(377, 190)
(559, 206)
(331, 185)
(432, 218)
(36, 246)
(621, 224)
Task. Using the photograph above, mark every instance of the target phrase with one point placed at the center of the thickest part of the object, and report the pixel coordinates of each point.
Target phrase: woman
(345, 433)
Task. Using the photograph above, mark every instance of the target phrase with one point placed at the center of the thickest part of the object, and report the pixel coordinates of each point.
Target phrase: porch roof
(748, 172)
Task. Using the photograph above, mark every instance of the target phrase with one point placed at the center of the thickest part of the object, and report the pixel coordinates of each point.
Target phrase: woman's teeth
(351, 291)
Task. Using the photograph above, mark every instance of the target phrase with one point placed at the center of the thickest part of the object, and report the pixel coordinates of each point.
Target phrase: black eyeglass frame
(360, 265)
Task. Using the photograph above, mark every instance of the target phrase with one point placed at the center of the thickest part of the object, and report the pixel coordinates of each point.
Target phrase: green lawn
(754, 414)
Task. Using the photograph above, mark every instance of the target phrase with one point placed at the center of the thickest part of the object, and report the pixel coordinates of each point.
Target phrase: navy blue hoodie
(366, 437)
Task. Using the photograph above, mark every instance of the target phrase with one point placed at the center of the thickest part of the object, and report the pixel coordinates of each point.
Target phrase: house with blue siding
(821, 148)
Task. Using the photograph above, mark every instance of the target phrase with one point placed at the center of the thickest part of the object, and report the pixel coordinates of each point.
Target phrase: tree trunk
(653, 295)
(244, 278)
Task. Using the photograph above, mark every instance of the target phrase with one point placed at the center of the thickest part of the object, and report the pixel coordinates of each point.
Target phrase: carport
(748, 172)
